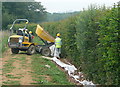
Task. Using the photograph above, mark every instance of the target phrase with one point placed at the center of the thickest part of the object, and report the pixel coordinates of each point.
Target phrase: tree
(33, 11)
(0, 15)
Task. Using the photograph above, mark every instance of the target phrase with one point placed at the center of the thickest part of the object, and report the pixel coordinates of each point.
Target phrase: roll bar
(19, 20)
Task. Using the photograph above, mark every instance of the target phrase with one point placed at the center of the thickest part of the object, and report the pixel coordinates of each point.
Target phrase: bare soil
(21, 71)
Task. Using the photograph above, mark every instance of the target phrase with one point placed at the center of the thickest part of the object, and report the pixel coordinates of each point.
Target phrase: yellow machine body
(22, 41)
(43, 34)
(14, 40)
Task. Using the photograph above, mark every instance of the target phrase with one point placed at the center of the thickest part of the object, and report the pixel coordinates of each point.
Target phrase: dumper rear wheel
(15, 50)
(31, 50)
(46, 51)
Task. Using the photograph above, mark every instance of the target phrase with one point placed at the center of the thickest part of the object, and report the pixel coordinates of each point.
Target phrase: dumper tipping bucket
(43, 34)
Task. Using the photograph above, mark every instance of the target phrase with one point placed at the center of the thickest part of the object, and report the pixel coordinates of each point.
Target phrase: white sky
(72, 5)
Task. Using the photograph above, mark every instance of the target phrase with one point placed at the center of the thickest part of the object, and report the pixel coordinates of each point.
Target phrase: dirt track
(20, 71)
(17, 70)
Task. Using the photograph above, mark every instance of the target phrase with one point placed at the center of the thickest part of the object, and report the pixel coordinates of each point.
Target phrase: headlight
(20, 39)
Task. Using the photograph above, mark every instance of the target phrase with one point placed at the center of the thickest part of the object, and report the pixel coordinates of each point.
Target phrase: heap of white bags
(69, 68)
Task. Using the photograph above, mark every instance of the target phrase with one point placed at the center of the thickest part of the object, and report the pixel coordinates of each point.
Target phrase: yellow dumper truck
(47, 39)
(21, 41)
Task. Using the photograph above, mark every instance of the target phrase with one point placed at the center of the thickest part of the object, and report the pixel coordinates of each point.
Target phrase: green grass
(8, 66)
(12, 82)
(4, 40)
(13, 77)
(22, 60)
(57, 76)
(3, 45)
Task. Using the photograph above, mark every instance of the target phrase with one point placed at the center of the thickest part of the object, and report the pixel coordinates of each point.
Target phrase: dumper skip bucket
(43, 34)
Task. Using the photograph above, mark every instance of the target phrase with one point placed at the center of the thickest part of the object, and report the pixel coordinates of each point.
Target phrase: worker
(26, 33)
(58, 44)
(30, 36)
(30, 32)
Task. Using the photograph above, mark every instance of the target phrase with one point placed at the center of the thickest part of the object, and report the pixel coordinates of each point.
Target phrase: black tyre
(31, 50)
(46, 51)
(15, 50)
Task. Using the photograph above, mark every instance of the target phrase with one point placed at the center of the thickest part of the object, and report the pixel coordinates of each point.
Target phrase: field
(90, 42)
(23, 69)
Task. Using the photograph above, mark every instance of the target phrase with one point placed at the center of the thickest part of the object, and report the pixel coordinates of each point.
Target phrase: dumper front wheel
(46, 52)
(15, 50)
(31, 50)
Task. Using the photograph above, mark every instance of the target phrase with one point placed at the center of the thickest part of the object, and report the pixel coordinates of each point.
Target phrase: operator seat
(19, 32)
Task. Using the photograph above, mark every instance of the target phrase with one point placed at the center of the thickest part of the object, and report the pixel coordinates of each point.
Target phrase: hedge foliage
(91, 42)
(3, 41)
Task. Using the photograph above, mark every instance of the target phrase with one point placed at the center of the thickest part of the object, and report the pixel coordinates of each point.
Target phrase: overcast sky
(72, 5)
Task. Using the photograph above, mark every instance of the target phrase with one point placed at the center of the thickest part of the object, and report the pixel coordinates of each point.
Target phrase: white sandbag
(52, 48)
(54, 51)
(71, 70)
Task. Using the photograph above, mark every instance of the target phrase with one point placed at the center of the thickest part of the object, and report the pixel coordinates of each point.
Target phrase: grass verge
(44, 75)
